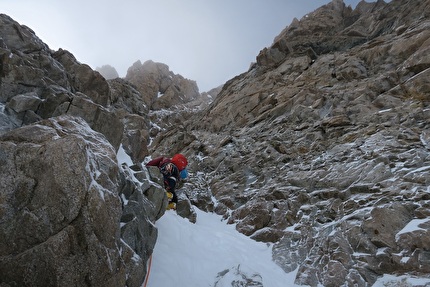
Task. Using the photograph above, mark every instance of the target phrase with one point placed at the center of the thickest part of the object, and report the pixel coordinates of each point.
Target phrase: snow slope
(192, 255)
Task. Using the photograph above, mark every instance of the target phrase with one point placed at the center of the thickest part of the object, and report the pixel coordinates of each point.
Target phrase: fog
(206, 41)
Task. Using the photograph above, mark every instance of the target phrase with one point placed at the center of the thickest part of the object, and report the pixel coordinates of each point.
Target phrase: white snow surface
(123, 157)
(192, 255)
(412, 226)
(401, 281)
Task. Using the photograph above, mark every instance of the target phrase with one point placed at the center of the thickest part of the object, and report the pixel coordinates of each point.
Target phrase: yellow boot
(171, 205)
(169, 195)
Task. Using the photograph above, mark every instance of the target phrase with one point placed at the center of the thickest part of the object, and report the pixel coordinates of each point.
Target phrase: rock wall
(56, 228)
(322, 147)
(70, 214)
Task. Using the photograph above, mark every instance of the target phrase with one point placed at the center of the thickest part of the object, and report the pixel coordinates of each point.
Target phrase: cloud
(206, 41)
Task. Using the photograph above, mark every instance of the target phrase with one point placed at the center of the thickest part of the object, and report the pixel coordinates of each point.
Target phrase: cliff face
(375, 47)
(322, 147)
(70, 214)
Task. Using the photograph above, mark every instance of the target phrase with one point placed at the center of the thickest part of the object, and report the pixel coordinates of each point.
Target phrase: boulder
(60, 206)
(84, 78)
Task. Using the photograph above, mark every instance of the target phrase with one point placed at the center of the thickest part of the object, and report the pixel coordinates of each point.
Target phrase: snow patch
(293, 228)
(424, 168)
(407, 281)
(123, 157)
(136, 258)
(193, 255)
(360, 254)
(124, 200)
(200, 157)
(381, 251)
(413, 225)
(384, 111)
(94, 172)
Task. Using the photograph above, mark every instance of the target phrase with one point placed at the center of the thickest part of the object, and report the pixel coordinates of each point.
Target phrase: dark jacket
(170, 173)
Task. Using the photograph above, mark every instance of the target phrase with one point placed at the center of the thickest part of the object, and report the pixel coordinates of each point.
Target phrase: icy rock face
(143, 202)
(322, 147)
(71, 215)
(58, 229)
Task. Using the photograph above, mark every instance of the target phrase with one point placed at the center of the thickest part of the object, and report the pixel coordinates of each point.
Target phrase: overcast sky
(209, 41)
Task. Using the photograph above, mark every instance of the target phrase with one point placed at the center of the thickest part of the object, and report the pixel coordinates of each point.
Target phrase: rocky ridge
(322, 148)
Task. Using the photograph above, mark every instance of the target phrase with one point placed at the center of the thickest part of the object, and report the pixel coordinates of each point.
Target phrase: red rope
(149, 271)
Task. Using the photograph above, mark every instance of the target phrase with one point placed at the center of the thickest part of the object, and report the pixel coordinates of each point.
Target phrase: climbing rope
(149, 271)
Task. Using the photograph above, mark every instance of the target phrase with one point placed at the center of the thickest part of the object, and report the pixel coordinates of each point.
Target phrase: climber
(173, 170)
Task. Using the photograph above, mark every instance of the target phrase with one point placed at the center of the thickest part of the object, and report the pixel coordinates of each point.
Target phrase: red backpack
(180, 161)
